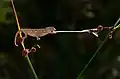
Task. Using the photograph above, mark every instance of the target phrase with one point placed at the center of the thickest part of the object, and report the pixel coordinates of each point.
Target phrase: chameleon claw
(38, 38)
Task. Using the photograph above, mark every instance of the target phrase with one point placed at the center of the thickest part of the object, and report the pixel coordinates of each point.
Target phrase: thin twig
(31, 67)
(101, 45)
(27, 57)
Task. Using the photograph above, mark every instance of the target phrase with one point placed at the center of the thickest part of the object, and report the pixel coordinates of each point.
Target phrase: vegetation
(64, 55)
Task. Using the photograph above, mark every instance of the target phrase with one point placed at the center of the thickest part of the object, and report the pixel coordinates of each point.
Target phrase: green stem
(86, 66)
(101, 45)
(118, 26)
(31, 67)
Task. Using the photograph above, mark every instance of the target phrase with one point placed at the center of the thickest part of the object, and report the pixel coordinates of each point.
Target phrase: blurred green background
(64, 55)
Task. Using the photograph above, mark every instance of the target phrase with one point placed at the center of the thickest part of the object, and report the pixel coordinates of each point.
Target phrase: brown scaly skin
(34, 33)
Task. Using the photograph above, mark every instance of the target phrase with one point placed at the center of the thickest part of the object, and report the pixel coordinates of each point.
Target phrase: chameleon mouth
(53, 32)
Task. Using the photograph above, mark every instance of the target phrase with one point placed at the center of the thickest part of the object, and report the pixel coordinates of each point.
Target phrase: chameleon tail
(16, 35)
(18, 39)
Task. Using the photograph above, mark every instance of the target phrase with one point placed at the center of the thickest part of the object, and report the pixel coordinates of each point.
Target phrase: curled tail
(18, 39)
(16, 35)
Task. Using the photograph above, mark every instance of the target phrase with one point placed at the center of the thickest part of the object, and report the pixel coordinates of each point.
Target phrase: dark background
(64, 55)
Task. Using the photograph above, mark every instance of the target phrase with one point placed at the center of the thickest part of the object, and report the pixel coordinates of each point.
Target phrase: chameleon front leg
(38, 38)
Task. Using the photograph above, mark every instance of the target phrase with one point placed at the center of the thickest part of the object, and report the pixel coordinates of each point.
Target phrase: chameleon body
(35, 33)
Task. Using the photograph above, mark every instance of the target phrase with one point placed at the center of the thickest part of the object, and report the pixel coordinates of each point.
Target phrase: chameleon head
(51, 30)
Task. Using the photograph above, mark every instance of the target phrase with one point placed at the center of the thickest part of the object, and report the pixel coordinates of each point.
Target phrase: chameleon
(34, 33)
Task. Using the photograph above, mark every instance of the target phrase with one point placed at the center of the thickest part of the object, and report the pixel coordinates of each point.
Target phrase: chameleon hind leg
(18, 40)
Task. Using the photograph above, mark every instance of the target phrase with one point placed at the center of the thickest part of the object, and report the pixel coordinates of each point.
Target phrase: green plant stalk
(31, 67)
(101, 45)
(86, 66)
(118, 26)
(27, 57)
